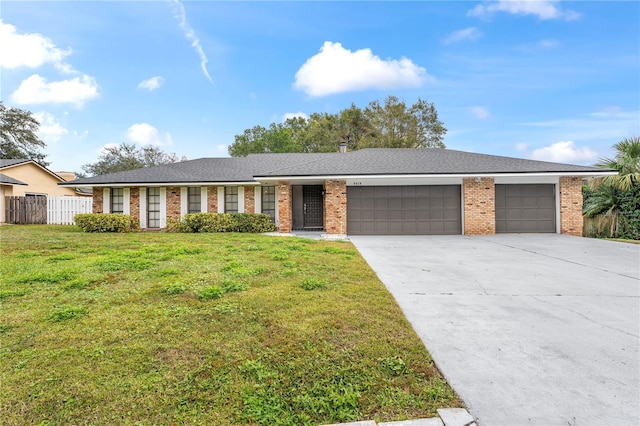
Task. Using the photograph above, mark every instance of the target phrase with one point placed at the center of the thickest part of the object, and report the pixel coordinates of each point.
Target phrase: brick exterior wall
(571, 205)
(335, 207)
(173, 203)
(134, 202)
(479, 197)
(212, 199)
(249, 199)
(98, 200)
(284, 207)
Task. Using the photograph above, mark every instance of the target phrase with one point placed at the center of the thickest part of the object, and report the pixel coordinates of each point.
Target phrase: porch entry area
(307, 207)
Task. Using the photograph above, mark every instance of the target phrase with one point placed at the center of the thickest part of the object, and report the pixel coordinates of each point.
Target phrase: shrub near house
(196, 222)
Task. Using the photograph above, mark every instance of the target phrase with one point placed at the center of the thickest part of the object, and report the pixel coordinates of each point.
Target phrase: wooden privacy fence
(26, 210)
(61, 210)
(43, 210)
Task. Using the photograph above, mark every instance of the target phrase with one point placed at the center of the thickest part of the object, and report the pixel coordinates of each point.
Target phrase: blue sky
(549, 80)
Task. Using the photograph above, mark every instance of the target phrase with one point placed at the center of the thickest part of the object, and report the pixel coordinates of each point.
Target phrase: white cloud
(548, 43)
(181, 15)
(479, 112)
(543, 9)
(565, 152)
(151, 84)
(36, 90)
(146, 134)
(29, 50)
(522, 146)
(221, 150)
(609, 111)
(288, 115)
(471, 34)
(336, 70)
(50, 129)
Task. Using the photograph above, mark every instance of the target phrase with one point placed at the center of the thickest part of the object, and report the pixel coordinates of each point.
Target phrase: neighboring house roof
(7, 163)
(8, 180)
(365, 162)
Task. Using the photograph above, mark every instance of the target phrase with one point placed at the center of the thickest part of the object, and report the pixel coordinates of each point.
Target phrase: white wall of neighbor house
(163, 207)
(143, 207)
(257, 197)
(126, 197)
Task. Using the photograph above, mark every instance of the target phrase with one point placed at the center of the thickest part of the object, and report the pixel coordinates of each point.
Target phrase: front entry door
(313, 206)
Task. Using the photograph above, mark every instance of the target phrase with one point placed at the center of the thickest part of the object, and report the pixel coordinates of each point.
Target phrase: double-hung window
(269, 201)
(153, 207)
(231, 199)
(193, 196)
(117, 200)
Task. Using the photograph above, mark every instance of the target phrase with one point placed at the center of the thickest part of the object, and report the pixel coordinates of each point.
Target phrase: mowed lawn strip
(166, 328)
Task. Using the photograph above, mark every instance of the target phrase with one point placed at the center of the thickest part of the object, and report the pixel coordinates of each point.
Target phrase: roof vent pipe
(343, 147)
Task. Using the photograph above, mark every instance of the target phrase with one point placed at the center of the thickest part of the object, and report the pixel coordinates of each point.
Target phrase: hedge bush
(226, 222)
(106, 222)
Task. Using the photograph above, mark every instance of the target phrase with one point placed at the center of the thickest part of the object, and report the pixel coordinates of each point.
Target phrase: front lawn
(160, 328)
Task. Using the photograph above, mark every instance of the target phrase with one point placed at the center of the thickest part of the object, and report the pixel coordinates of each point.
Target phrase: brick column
(571, 205)
(335, 207)
(284, 207)
(212, 199)
(173, 203)
(134, 202)
(249, 199)
(479, 206)
(98, 201)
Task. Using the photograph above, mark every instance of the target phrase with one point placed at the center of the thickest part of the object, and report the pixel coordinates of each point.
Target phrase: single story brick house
(370, 191)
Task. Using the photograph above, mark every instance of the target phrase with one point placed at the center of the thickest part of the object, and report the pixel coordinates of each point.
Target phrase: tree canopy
(615, 200)
(389, 125)
(18, 135)
(128, 156)
(626, 162)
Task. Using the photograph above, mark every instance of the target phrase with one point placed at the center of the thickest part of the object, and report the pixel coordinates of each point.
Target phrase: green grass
(224, 329)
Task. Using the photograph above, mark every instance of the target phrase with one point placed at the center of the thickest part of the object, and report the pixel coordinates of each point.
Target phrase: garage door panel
(409, 215)
(382, 215)
(397, 215)
(409, 203)
(367, 215)
(404, 210)
(529, 202)
(451, 203)
(451, 227)
(513, 201)
(525, 208)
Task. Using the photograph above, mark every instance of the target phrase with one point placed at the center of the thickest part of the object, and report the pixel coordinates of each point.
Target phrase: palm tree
(604, 194)
(626, 162)
(603, 201)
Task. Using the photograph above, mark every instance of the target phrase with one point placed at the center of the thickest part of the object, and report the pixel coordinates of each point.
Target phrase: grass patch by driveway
(157, 328)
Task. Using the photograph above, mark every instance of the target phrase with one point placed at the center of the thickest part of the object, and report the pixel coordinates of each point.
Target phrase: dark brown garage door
(525, 208)
(397, 210)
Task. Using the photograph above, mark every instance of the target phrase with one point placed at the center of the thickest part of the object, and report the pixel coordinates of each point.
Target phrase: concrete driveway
(528, 329)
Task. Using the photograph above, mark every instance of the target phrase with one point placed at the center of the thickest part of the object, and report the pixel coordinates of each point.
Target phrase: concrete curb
(448, 417)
